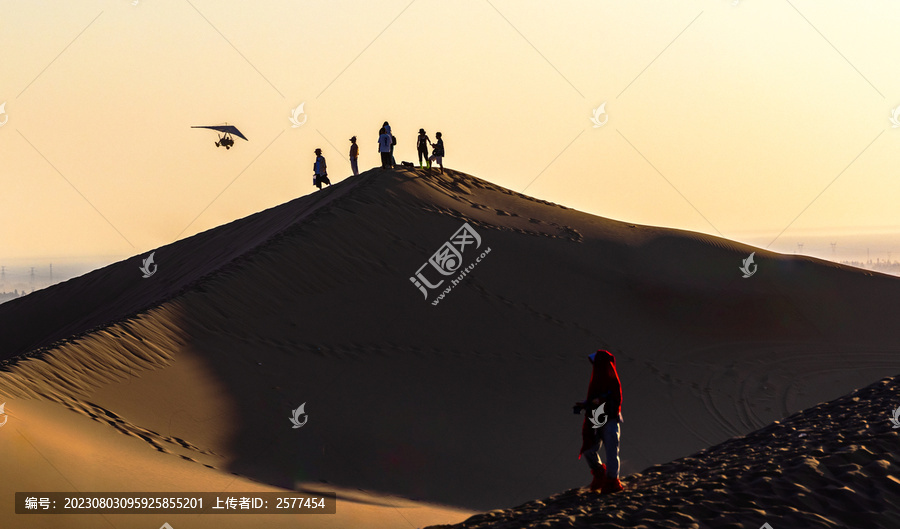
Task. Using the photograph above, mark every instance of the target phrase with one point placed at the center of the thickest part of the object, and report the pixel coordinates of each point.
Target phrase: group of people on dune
(387, 141)
(386, 144)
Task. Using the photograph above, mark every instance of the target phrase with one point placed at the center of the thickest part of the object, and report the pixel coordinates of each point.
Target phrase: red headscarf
(605, 385)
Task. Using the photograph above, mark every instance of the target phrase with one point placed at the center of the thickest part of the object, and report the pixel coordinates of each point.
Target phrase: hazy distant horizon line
(759, 237)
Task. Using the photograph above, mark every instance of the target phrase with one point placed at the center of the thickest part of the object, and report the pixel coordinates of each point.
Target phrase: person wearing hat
(354, 154)
(422, 146)
(320, 170)
(601, 423)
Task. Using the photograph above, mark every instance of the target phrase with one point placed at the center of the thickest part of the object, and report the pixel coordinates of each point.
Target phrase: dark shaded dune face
(722, 316)
(416, 399)
(467, 402)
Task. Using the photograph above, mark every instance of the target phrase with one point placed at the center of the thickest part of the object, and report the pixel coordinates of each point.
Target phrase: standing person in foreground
(422, 146)
(384, 147)
(354, 154)
(320, 170)
(438, 153)
(603, 415)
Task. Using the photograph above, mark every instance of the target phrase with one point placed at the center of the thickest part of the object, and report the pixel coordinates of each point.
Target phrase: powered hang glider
(227, 140)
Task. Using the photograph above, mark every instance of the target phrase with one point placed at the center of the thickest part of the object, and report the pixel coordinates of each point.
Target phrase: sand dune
(49, 449)
(463, 403)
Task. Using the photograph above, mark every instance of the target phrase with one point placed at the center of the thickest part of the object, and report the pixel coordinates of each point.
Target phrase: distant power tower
(832, 248)
(800, 246)
(51, 273)
(2, 275)
(32, 279)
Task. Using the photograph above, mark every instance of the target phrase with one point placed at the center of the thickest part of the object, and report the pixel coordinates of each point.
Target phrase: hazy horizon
(849, 248)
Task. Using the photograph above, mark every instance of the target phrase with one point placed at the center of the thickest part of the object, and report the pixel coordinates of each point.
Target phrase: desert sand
(831, 466)
(419, 414)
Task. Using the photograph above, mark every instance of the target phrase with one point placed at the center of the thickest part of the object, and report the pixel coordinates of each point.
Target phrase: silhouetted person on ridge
(422, 146)
(320, 170)
(387, 128)
(438, 153)
(354, 154)
(604, 390)
(384, 147)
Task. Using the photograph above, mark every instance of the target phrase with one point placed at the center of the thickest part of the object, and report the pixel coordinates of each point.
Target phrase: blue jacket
(319, 167)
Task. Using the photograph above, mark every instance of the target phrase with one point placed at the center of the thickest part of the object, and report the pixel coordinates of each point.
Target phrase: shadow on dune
(468, 402)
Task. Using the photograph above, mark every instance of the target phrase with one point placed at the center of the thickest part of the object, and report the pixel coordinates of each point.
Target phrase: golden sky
(764, 121)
